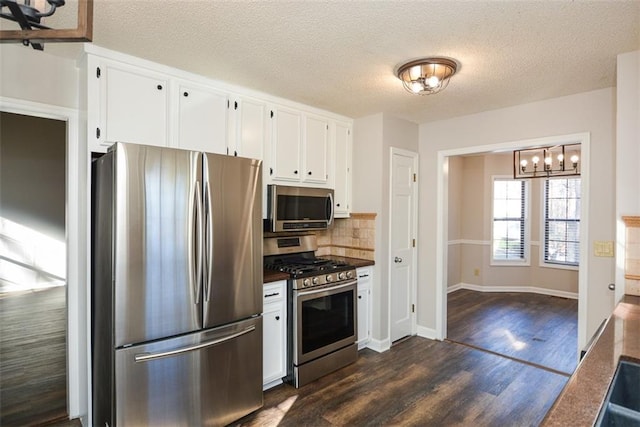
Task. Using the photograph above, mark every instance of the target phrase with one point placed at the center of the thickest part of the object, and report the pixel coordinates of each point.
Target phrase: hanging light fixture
(28, 15)
(427, 76)
(546, 162)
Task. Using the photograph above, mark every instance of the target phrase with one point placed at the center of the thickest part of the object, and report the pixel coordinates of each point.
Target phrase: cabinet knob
(338, 204)
(359, 296)
(159, 87)
(186, 93)
(295, 172)
(277, 317)
(309, 172)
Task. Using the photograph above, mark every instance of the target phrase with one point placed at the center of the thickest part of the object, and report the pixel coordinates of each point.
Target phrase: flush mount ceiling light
(547, 162)
(427, 76)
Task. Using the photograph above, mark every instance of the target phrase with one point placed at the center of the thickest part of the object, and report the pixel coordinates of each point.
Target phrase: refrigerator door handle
(199, 242)
(146, 357)
(209, 240)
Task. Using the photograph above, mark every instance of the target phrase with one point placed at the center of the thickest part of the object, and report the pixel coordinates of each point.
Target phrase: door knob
(397, 260)
(612, 286)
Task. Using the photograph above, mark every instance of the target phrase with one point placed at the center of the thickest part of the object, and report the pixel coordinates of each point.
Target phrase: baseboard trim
(529, 289)
(425, 332)
(379, 346)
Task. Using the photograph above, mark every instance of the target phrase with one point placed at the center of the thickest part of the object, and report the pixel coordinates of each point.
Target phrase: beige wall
(373, 137)
(470, 211)
(38, 76)
(591, 112)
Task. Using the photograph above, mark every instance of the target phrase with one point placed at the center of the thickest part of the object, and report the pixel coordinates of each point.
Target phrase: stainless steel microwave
(299, 208)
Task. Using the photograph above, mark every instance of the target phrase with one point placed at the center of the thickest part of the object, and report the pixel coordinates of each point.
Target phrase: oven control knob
(341, 276)
(314, 280)
(329, 278)
(305, 283)
(349, 274)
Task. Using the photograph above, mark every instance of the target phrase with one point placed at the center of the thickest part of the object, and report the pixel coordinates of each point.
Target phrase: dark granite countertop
(273, 276)
(580, 401)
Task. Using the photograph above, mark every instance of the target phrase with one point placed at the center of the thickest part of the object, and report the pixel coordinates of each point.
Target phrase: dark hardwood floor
(418, 382)
(33, 357)
(538, 329)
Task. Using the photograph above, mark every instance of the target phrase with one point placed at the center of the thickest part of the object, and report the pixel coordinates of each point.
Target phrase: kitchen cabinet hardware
(397, 259)
(235, 153)
(97, 133)
(270, 171)
(277, 317)
(295, 172)
(363, 275)
(159, 87)
(186, 94)
(275, 294)
(235, 105)
(612, 286)
(98, 72)
(359, 296)
(309, 172)
(338, 204)
(272, 114)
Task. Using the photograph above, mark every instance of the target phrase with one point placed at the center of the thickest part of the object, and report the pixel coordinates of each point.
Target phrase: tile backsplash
(352, 237)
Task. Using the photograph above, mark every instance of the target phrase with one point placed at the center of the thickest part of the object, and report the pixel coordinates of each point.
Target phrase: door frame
(76, 229)
(443, 214)
(413, 286)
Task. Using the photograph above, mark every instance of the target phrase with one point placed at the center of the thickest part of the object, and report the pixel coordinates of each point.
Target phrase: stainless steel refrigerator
(177, 287)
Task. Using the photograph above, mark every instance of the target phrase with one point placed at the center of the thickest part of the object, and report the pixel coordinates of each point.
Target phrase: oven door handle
(332, 288)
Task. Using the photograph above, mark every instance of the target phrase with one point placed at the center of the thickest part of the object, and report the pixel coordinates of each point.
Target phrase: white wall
(585, 112)
(44, 85)
(373, 137)
(627, 153)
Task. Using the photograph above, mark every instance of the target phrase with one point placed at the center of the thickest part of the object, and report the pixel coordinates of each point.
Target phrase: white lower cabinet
(364, 306)
(274, 339)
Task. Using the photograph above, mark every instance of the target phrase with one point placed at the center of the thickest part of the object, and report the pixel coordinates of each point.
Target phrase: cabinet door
(363, 317)
(251, 122)
(316, 150)
(133, 105)
(342, 191)
(274, 343)
(202, 119)
(287, 138)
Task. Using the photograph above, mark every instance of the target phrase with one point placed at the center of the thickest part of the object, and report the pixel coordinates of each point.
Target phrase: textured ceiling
(341, 55)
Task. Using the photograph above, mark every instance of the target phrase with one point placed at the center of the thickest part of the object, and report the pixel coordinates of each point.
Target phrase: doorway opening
(483, 280)
(33, 270)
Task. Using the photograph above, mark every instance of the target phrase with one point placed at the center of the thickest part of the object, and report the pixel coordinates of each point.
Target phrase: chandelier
(546, 162)
(428, 75)
(28, 15)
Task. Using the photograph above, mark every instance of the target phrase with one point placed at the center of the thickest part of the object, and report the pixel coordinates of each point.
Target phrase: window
(562, 221)
(509, 220)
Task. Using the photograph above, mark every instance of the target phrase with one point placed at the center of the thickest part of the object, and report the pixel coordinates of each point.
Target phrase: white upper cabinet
(286, 145)
(316, 146)
(343, 162)
(132, 106)
(249, 117)
(202, 118)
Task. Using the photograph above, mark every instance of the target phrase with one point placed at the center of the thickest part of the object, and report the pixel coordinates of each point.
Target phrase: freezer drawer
(208, 378)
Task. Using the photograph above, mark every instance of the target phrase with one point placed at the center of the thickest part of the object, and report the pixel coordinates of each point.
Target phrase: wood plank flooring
(418, 382)
(33, 357)
(539, 329)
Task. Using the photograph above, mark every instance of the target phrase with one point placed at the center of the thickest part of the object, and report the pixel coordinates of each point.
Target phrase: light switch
(603, 248)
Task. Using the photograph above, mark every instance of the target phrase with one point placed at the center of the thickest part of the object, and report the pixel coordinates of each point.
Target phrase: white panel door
(316, 150)
(134, 106)
(402, 232)
(202, 119)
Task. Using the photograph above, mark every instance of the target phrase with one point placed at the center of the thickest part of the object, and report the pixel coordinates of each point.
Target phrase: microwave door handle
(329, 209)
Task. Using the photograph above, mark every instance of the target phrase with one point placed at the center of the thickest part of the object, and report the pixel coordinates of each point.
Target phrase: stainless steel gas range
(322, 304)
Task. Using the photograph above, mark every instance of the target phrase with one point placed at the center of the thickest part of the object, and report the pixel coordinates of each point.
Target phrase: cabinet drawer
(273, 292)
